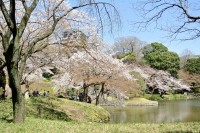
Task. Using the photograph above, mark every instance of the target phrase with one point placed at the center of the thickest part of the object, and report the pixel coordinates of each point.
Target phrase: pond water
(165, 112)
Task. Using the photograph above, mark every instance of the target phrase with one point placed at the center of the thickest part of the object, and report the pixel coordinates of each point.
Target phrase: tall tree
(179, 17)
(154, 47)
(193, 65)
(158, 56)
(128, 44)
(185, 55)
(26, 27)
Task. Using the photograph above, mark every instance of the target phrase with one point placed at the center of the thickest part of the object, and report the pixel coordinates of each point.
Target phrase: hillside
(191, 79)
(57, 109)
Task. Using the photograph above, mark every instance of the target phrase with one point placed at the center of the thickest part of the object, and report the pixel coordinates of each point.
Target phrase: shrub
(168, 61)
(193, 65)
(155, 97)
(154, 47)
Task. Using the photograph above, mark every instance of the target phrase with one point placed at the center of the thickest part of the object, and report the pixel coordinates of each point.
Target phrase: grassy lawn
(57, 109)
(55, 126)
(77, 116)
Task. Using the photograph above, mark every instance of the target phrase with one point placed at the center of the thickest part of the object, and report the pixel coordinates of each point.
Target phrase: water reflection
(166, 112)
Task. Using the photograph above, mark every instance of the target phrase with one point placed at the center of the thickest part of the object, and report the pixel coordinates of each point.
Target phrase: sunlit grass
(57, 109)
(140, 101)
(53, 126)
(37, 125)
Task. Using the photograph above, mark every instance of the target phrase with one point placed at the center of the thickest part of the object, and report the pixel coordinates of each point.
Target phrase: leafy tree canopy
(160, 58)
(193, 65)
(154, 47)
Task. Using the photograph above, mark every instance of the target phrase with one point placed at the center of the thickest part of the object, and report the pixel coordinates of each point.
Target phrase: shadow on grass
(46, 109)
(179, 131)
(8, 120)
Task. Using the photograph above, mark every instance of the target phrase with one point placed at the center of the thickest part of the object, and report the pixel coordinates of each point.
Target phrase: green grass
(168, 96)
(140, 101)
(129, 55)
(43, 125)
(155, 97)
(57, 109)
(174, 96)
(53, 126)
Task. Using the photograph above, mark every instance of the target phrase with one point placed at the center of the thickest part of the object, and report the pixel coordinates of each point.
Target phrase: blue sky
(128, 15)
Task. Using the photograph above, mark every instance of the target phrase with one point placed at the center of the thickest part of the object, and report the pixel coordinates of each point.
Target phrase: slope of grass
(57, 109)
(53, 126)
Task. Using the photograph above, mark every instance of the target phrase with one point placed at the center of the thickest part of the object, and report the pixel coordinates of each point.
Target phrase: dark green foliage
(193, 65)
(47, 75)
(55, 70)
(155, 97)
(160, 58)
(154, 47)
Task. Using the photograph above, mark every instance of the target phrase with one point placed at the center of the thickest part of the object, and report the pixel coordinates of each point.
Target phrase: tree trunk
(17, 96)
(3, 84)
(14, 82)
(101, 92)
(97, 98)
(85, 92)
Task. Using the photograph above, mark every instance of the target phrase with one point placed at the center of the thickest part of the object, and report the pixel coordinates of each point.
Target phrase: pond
(165, 112)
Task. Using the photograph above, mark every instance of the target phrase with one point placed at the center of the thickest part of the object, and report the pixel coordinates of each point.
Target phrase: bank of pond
(57, 113)
(168, 111)
(137, 110)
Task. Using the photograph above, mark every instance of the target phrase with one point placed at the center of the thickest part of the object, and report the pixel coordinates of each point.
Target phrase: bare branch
(6, 15)
(154, 11)
(26, 17)
(24, 4)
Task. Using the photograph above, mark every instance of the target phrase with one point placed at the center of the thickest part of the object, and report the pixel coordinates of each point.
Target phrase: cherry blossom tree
(93, 67)
(28, 26)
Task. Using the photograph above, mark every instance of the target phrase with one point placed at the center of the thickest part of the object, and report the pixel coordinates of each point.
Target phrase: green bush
(168, 61)
(155, 97)
(193, 65)
(154, 47)
(174, 97)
